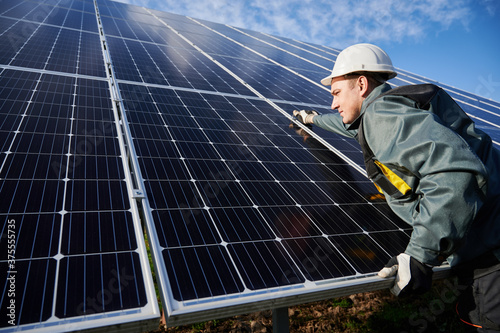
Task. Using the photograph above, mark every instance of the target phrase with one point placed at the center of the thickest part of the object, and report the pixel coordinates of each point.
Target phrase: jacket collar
(373, 95)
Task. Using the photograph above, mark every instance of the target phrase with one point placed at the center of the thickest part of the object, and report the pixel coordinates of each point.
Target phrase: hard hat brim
(327, 81)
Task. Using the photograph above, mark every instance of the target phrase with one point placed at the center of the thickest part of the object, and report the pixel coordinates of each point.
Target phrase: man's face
(347, 98)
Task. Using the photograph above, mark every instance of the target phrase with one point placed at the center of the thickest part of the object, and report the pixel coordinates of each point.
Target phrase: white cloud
(492, 6)
(336, 23)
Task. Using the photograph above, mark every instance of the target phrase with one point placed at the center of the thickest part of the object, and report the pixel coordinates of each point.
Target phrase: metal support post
(280, 321)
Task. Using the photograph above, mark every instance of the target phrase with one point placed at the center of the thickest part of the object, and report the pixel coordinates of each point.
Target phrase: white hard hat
(361, 58)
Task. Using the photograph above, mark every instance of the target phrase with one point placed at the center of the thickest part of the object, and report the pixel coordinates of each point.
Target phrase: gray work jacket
(451, 168)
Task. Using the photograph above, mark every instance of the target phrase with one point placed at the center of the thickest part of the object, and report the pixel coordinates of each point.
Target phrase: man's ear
(363, 86)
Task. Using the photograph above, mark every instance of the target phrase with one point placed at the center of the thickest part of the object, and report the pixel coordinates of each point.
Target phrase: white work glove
(305, 116)
(412, 277)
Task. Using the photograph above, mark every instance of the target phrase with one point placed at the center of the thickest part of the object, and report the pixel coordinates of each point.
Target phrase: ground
(377, 311)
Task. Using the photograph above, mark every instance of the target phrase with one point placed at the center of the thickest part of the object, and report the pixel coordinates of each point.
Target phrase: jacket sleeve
(333, 122)
(447, 178)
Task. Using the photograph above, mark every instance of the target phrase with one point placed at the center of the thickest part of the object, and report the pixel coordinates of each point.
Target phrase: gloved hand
(305, 116)
(412, 277)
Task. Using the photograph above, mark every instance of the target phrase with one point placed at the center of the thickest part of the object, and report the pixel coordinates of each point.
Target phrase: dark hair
(374, 78)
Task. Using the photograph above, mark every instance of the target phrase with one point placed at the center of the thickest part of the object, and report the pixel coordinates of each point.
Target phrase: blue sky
(456, 42)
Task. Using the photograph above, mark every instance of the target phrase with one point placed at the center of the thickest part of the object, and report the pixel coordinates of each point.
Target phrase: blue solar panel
(79, 250)
(182, 126)
(217, 180)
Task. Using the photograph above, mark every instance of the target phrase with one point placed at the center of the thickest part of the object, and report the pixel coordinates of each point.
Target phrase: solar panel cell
(37, 235)
(199, 272)
(364, 254)
(95, 195)
(290, 221)
(224, 194)
(265, 264)
(31, 196)
(184, 228)
(36, 51)
(14, 37)
(95, 167)
(317, 259)
(97, 232)
(107, 283)
(235, 227)
(164, 168)
(19, 10)
(90, 56)
(156, 148)
(56, 16)
(45, 125)
(34, 305)
(33, 166)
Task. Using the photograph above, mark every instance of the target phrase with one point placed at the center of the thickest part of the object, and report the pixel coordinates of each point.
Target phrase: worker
(438, 172)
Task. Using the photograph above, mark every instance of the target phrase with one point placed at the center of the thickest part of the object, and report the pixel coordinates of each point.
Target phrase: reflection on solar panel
(113, 115)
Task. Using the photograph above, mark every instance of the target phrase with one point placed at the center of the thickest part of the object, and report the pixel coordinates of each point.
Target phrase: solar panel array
(114, 114)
